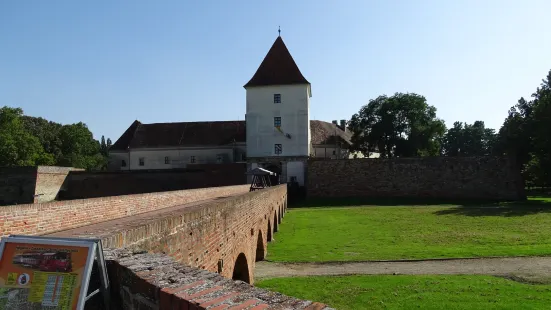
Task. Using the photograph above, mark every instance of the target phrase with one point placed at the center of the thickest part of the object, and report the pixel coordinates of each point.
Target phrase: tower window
(277, 98)
(167, 160)
(278, 149)
(192, 159)
(277, 121)
(142, 161)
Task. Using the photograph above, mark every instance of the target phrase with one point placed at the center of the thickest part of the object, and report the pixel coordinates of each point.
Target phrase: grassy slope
(412, 232)
(415, 292)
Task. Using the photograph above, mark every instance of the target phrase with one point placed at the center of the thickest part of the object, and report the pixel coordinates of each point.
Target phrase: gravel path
(536, 269)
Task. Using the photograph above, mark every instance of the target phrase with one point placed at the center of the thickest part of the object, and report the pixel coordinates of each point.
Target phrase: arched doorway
(241, 269)
(274, 179)
(275, 221)
(269, 232)
(260, 254)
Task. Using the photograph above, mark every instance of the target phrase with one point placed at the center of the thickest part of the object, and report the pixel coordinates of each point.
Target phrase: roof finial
(279, 31)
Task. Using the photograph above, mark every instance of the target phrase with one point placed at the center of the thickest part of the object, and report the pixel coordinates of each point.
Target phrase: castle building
(277, 133)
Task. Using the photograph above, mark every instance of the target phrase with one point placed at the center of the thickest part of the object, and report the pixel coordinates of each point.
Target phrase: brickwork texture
(17, 185)
(21, 185)
(492, 178)
(84, 184)
(43, 218)
(181, 259)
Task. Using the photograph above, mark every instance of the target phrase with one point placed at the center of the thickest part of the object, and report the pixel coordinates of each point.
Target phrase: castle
(277, 133)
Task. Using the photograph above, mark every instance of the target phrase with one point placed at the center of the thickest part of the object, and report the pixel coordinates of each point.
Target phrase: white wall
(296, 169)
(115, 161)
(178, 158)
(295, 120)
(326, 151)
(322, 151)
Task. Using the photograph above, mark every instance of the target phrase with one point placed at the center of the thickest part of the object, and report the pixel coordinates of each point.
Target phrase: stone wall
(49, 181)
(20, 185)
(80, 185)
(493, 178)
(43, 218)
(17, 185)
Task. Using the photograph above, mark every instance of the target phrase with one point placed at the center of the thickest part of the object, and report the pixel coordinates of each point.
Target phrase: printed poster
(41, 276)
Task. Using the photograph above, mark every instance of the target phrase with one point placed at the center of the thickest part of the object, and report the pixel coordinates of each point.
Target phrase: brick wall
(49, 181)
(17, 185)
(84, 184)
(431, 177)
(20, 185)
(180, 259)
(210, 233)
(148, 281)
(42, 218)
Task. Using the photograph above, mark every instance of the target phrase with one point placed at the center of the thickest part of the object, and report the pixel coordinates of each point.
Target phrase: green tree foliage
(26, 140)
(47, 133)
(400, 125)
(526, 135)
(18, 147)
(79, 148)
(469, 140)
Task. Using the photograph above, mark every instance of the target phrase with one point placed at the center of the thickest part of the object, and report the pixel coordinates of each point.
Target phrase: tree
(103, 146)
(79, 148)
(469, 140)
(400, 125)
(18, 147)
(526, 135)
(47, 132)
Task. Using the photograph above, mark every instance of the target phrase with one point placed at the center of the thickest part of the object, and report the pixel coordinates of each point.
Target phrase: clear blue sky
(107, 63)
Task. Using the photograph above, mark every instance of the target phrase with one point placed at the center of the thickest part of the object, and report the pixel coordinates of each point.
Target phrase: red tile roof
(203, 134)
(277, 68)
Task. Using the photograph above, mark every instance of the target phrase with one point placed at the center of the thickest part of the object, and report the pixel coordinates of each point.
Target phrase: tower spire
(279, 31)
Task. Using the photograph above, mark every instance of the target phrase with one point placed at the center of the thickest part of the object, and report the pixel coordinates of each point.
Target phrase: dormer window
(277, 98)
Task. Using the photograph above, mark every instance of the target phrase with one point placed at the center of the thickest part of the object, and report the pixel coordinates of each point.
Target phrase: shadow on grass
(382, 201)
(456, 207)
(500, 209)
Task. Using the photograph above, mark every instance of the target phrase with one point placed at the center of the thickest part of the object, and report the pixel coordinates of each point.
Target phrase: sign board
(46, 273)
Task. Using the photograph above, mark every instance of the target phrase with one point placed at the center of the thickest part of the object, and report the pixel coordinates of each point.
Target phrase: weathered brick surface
(21, 185)
(210, 235)
(432, 177)
(181, 256)
(86, 184)
(167, 284)
(43, 218)
(49, 181)
(17, 185)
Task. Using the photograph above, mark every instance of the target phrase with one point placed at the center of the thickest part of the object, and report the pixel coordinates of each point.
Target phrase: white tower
(277, 117)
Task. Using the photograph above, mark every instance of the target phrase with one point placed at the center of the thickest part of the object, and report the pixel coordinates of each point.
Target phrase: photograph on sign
(44, 274)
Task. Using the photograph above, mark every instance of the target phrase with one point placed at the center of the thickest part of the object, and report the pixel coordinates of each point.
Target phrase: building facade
(277, 133)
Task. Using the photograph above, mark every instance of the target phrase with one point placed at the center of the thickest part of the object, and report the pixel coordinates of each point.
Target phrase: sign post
(49, 273)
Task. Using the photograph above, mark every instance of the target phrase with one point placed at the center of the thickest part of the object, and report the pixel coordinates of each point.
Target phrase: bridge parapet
(156, 281)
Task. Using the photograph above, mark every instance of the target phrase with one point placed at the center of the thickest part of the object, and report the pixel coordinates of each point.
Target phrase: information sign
(45, 273)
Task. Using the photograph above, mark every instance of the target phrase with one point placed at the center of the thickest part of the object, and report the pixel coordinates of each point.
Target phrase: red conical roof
(277, 68)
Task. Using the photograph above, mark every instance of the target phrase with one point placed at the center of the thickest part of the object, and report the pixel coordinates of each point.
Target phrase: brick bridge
(172, 250)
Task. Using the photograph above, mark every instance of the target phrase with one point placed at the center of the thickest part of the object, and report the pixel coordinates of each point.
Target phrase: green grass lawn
(413, 232)
(415, 292)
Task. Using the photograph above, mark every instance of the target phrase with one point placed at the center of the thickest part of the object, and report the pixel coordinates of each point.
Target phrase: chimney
(334, 122)
(343, 125)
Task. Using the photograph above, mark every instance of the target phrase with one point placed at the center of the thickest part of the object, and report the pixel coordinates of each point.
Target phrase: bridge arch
(279, 214)
(275, 221)
(269, 234)
(260, 248)
(241, 269)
